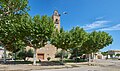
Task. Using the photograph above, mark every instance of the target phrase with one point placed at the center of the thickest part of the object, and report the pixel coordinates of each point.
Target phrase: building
(1, 52)
(45, 52)
(49, 50)
(112, 53)
(98, 55)
(56, 19)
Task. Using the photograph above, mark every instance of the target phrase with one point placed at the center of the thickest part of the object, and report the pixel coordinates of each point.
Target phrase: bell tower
(56, 19)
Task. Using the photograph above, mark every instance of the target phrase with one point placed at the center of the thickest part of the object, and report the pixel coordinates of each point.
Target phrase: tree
(61, 40)
(37, 32)
(9, 7)
(10, 10)
(117, 55)
(78, 37)
(104, 53)
(8, 37)
(23, 53)
(59, 54)
(29, 53)
(15, 46)
(96, 41)
(75, 52)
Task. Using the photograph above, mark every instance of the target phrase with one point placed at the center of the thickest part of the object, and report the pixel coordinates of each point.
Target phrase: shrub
(23, 54)
(48, 58)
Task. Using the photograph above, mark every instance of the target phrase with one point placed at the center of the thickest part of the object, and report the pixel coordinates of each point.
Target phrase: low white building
(1, 52)
(112, 53)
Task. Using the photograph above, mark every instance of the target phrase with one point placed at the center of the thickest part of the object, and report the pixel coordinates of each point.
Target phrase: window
(56, 21)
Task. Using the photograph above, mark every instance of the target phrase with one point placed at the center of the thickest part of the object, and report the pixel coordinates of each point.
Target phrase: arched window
(56, 21)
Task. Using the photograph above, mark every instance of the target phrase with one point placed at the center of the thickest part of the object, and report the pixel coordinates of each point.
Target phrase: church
(49, 50)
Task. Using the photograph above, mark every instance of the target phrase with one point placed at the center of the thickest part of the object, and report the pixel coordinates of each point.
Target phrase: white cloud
(115, 27)
(96, 24)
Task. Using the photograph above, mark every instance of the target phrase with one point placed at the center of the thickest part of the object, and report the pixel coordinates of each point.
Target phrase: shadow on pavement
(16, 62)
(43, 63)
(51, 63)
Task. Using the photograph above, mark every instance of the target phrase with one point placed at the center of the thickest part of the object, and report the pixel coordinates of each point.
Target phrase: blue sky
(103, 15)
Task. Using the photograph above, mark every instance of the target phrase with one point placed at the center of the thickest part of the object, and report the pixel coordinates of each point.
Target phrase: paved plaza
(88, 68)
(97, 65)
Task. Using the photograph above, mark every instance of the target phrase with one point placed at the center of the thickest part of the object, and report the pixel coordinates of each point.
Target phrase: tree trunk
(76, 56)
(34, 57)
(89, 59)
(15, 56)
(12, 56)
(4, 55)
(92, 56)
(62, 56)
